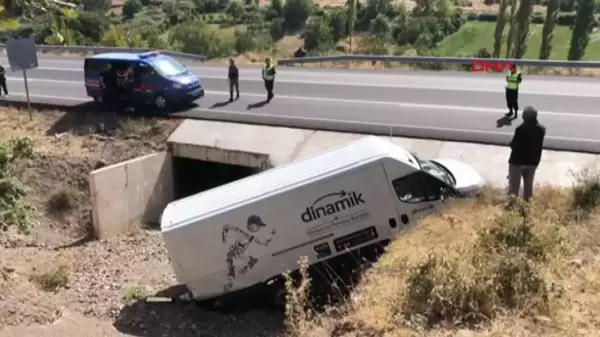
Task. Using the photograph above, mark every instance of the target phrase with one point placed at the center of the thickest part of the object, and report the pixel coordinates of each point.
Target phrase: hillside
(476, 35)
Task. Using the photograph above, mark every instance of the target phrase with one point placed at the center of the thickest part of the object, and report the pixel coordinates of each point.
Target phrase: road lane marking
(376, 85)
(352, 122)
(495, 111)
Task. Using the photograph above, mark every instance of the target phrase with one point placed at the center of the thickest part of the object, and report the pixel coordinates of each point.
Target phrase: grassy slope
(386, 303)
(476, 35)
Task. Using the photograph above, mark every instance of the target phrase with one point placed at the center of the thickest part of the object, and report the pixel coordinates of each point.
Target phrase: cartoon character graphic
(237, 250)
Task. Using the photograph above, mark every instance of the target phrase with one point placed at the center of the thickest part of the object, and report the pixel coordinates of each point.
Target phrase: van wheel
(160, 102)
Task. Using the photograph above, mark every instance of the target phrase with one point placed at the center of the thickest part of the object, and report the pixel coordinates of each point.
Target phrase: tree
(522, 32)
(380, 27)
(548, 30)
(295, 13)
(512, 20)
(131, 7)
(351, 20)
(338, 22)
(197, 37)
(584, 21)
(277, 8)
(318, 36)
(499, 31)
(119, 36)
(277, 31)
(236, 9)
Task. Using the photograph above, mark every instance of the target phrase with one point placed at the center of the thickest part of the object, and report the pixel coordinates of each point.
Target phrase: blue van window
(167, 66)
(95, 66)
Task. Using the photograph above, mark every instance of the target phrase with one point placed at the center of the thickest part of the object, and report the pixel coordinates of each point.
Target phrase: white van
(250, 231)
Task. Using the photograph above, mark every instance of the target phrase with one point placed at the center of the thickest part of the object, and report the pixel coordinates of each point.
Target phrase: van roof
(125, 56)
(237, 193)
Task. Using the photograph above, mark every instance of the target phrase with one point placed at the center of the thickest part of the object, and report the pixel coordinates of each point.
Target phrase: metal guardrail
(438, 60)
(101, 49)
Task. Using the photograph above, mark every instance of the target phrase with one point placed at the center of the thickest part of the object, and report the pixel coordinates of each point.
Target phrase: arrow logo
(339, 194)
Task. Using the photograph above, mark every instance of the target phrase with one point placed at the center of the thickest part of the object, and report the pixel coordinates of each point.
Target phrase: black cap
(255, 220)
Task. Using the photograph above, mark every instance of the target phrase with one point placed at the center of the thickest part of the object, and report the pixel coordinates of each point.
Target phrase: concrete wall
(131, 193)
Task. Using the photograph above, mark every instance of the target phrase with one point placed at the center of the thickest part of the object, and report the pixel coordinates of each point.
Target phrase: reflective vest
(512, 80)
(268, 74)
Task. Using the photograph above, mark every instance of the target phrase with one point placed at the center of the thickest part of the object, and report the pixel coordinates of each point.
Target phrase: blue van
(156, 79)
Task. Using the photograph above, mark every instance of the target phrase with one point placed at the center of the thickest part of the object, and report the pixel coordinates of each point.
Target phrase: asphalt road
(445, 106)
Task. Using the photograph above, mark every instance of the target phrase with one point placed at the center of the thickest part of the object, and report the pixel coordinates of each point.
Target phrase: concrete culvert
(195, 176)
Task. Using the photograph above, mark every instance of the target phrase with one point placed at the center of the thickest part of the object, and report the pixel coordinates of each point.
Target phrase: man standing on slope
(526, 153)
(513, 79)
(268, 75)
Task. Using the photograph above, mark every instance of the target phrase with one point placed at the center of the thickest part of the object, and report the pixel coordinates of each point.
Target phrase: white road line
(358, 123)
(490, 111)
(376, 85)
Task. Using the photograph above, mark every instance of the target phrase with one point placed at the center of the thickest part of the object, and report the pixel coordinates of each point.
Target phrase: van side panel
(270, 235)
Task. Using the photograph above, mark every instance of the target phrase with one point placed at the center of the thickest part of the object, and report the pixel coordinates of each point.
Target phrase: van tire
(98, 100)
(160, 102)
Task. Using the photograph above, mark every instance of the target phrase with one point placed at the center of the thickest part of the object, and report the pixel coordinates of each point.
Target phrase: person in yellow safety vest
(513, 79)
(268, 75)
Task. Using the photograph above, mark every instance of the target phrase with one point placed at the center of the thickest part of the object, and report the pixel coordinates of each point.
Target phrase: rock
(576, 262)
(465, 333)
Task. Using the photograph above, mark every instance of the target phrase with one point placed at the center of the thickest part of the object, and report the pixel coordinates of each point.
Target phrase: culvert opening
(194, 176)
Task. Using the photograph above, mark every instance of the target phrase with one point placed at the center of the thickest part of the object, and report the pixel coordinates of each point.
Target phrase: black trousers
(3, 86)
(234, 83)
(269, 86)
(512, 100)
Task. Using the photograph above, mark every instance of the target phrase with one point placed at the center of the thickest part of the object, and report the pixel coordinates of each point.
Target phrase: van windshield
(435, 170)
(167, 66)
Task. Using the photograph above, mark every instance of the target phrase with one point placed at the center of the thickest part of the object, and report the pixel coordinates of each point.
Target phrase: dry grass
(55, 278)
(479, 270)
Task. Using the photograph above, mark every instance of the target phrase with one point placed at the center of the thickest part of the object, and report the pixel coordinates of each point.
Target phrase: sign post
(22, 55)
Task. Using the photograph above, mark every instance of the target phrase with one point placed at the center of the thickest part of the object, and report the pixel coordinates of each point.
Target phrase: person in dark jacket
(526, 153)
(234, 80)
(3, 81)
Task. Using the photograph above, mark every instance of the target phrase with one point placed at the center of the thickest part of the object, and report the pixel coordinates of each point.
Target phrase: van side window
(95, 66)
(144, 71)
(418, 187)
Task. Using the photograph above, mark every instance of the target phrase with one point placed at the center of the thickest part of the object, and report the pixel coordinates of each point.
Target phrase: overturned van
(250, 231)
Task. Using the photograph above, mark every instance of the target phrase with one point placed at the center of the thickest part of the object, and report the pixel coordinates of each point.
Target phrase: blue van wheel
(160, 102)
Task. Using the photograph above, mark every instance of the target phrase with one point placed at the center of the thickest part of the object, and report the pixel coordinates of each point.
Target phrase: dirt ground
(55, 281)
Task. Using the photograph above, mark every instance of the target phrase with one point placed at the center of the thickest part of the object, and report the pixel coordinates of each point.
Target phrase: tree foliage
(548, 29)
(581, 30)
(295, 13)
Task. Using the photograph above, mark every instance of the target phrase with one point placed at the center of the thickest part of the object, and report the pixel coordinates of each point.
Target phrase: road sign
(22, 55)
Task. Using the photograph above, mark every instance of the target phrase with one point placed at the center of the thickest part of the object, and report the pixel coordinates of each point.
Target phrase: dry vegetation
(54, 281)
(479, 270)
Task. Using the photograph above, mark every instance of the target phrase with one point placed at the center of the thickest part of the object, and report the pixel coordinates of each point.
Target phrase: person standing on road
(234, 80)
(268, 75)
(526, 153)
(3, 81)
(513, 79)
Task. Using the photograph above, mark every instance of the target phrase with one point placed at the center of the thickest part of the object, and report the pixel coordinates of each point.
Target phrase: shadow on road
(504, 121)
(257, 105)
(185, 318)
(221, 104)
